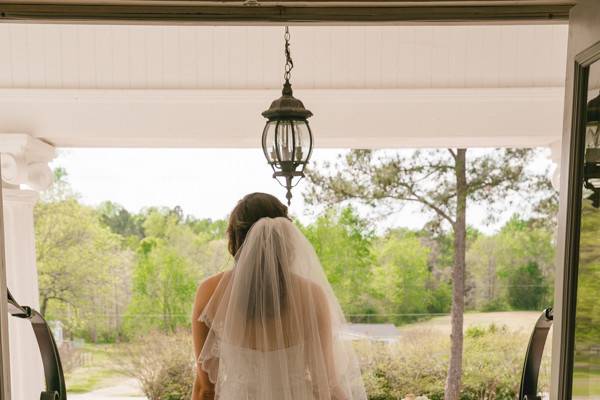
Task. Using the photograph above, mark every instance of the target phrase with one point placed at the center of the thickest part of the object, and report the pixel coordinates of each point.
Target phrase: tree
(121, 221)
(174, 255)
(163, 288)
(441, 182)
(343, 241)
(401, 274)
(527, 287)
(77, 256)
(495, 260)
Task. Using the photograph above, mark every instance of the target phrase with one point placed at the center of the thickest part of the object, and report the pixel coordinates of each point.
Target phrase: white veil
(275, 324)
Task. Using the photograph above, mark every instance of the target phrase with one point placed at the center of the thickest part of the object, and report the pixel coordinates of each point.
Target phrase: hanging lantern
(591, 169)
(287, 139)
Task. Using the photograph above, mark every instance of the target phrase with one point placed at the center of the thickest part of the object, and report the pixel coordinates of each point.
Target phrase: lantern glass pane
(269, 142)
(285, 141)
(302, 136)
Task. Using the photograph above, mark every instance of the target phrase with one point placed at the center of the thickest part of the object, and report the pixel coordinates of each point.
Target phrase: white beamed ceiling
(200, 86)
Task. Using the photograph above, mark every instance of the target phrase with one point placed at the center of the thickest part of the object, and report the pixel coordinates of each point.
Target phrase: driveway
(126, 389)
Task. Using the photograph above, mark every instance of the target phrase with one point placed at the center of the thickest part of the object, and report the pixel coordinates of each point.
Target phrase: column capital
(25, 161)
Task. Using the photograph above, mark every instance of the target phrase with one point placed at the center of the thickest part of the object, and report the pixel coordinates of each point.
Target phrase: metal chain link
(289, 64)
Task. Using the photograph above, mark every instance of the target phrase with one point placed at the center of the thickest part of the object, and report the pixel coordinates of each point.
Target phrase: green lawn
(515, 321)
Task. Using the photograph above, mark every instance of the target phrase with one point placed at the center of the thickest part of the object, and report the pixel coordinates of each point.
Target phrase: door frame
(5, 389)
(583, 61)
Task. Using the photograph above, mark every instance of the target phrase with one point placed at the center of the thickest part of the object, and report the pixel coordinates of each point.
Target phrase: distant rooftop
(378, 332)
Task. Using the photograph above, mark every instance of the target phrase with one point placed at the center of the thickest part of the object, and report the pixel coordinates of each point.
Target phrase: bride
(269, 328)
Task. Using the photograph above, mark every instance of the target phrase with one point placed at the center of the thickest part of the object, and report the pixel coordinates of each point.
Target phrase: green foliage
(390, 180)
(82, 269)
(442, 182)
(107, 272)
(417, 364)
(174, 255)
(163, 289)
(527, 288)
(343, 241)
(210, 229)
(513, 268)
(401, 276)
(122, 222)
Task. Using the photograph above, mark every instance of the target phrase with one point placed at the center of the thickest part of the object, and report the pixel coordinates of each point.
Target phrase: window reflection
(586, 371)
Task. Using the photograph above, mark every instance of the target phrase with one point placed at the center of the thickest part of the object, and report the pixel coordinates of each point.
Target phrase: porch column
(555, 149)
(25, 172)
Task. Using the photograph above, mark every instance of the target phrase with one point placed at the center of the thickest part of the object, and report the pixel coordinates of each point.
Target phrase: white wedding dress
(275, 324)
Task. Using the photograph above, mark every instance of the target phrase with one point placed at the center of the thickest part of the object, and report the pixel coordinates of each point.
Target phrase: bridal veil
(274, 324)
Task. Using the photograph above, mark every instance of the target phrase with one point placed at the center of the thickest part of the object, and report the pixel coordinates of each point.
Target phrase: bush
(163, 364)
(70, 356)
(417, 364)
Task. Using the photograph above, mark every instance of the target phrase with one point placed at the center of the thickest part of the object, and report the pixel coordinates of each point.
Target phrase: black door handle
(533, 357)
(53, 372)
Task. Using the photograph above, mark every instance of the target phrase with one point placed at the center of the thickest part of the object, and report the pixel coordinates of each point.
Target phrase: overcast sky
(206, 183)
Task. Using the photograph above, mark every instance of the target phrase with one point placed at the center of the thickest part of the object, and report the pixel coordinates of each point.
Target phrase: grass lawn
(523, 321)
(99, 369)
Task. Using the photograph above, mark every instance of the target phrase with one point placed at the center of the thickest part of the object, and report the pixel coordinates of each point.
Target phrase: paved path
(126, 389)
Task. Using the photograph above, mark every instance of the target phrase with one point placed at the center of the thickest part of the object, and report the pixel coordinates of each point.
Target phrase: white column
(24, 164)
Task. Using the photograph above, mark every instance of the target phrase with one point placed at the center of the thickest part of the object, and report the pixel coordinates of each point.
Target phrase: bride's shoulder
(207, 288)
(309, 286)
(213, 281)
(209, 285)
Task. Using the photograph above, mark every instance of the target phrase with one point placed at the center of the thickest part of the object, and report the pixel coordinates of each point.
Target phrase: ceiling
(205, 86)
(197, 57)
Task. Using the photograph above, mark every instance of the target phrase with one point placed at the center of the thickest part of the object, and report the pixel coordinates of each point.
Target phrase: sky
(207, 183)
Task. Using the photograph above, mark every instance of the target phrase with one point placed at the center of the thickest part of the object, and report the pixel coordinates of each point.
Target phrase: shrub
(417, 364)
(70, 356)
(163, 364)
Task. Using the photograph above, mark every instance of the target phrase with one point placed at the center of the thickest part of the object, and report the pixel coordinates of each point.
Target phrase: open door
(576, 346)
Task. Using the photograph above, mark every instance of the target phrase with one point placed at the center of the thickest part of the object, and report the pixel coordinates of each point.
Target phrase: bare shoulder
(311, 287)
(206, 289)
(212, 281)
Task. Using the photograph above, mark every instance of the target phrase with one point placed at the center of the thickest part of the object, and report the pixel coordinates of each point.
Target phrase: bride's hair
(248, 210)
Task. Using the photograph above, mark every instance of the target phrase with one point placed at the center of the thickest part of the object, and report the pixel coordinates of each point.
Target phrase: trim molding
(19, 196)
(179, 118)
(278, 12)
